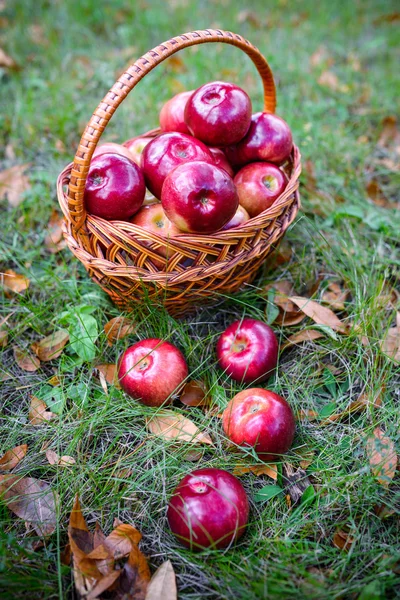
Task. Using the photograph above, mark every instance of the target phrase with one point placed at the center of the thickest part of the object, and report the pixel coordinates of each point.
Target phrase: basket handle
(127, 82)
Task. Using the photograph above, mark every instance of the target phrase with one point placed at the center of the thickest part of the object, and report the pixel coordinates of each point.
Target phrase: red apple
(115, 187)
(199, 197)
(218, 113)
(172, 115)
(269, 138)
(151, 371)
(208, 509)
(259, 184)
(136, 146)
(240, 217)
(221, 161)
(248, 351)
(153, 219)
(111, 147)
(167, 151)
(262, 420)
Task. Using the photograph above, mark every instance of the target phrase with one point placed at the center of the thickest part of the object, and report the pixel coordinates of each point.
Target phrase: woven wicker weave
(124, 258)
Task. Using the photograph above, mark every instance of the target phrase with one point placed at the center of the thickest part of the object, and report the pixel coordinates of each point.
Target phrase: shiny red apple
(259, 184)
(136, 146)
(151, 371)
(248, 351)
(269, 138)
(115, 187)
(262, 420)
(154, 220)
(199, 197)
(240, 217)
(221, 161)
(218, 113)
(114, 148)
(166, 152)
(172, 115)
(208, 509)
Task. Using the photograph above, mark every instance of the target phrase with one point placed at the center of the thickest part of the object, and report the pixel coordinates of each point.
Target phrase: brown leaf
(296, 482)
(321, 56)
(288, 319)
(118, 328)
(305, 335)
(109, 372)
(7, 62)
(26, 361)
(175, 64)
(195, 394)
(62, 461)
(390, 345)
(163, 584)
(119, 543)
(31, 500)
(11, 458)
(103, 585)
(38, 413)
(3, 338)
(335, 296)
(343, 540)
(388, 18)
(54, 240)
(15, 282)
(390, 134)
(51, 347)
(319, 314)
(382, 456)
(13, 184)
(269, 470)
(362, 402)
(307, 456)
(330, 80)
(134, 578)
(251, 17)
(173, 426)
(54, 381)
(308, 415)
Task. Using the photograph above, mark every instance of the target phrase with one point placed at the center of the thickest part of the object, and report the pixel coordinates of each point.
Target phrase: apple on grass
(172, 114)
(218, 113)
(153, 219)
(262, 420)
(208, 509)
(136, 146)
(269, 138)
(114, 148)
(248, 351)
(258, 185)
(240, 217)
(151, 371)
(166, 152)
(199, 197)
(115, 187)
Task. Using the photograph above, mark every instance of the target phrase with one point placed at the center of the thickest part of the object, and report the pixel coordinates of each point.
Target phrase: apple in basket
(114, 148)
(218, 113)
(221, 161)
(115, 187)
(172, 114)
(208, 509)
(262, 420)
(154, 220)
(136, 146)
(259, 184)
(199, 197)
(151, 371)
(248, 351)
(240, 217)
(167, 151)
(269, 138)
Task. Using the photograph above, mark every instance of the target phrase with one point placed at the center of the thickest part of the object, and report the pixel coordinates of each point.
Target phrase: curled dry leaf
(362, 403)
(376, 194)
(173, 426)
(26, 361)
(308, 415)
(306, 456)
(162, 585)
(51, 347)
(390, 345)
(296, 481)
(3, 338)
(15, 282)
(108, 373)
(335, 296)
(382, 456)
(118, 328)
(269, 470)
(343, 540)
(32, 500)
(319, 314)
(289, 314)
(6, 62)
(390, 134)
(13, 184)
(54, 240)
(11, 458)
(195, 394)
(38, 413)
(62, 461)
(305, 335)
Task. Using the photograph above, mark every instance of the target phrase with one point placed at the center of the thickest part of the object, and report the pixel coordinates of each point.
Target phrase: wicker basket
(124, 259)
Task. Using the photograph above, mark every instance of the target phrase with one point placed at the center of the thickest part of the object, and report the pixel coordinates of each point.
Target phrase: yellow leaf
(173, 426)
(15, 282)
(118, 328)
(51, 347)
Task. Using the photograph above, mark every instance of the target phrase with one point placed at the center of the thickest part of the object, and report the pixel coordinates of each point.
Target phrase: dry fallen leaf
(195, 394)
(390, 134)
(296, 482)
(343, 540)
(173, 426)
(108, 373)
(330, 80)
(6, 62)
(162, 585)
(335, 296)
(11, 458)
(54, 240)
(13, 184)
(269, 470)
(251, 17)
(362, 403)
(382, 456)
(387, 18)
(26, 361)
(38, 413)
(390, 345)
(319, 314)
(306, 455)
(175, 64)
(61, 461)
(118, 328)
(305, 335)
(289, 314)
(51, 347)
(321, 56)
(3, 338)
(15, 282)
(308, 415)
(31, 500)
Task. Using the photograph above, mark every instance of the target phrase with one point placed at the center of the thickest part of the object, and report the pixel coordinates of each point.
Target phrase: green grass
(71, 53)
